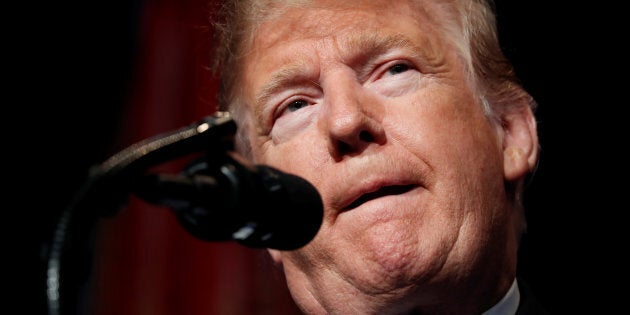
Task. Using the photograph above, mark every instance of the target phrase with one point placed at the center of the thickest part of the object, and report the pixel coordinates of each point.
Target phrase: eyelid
(281, 106)
(382, 69)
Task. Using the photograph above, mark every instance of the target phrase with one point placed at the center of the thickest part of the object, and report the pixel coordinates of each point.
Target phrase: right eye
(292, 106)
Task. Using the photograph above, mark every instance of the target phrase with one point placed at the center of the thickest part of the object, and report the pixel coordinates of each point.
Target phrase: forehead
(320, 19)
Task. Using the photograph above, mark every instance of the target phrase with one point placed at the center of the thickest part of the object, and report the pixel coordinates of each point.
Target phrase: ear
(520, 144)
(276, 255)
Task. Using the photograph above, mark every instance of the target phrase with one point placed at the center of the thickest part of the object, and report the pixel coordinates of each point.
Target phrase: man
(411, 124)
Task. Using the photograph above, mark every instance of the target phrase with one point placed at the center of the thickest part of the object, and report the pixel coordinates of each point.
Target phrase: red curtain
(146, 263)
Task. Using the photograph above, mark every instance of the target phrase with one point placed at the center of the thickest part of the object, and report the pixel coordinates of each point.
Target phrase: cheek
(443, 126)
(450, 133)
(301, 155)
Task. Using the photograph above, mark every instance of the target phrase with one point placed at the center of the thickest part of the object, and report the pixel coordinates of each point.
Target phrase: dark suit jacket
(529, 305)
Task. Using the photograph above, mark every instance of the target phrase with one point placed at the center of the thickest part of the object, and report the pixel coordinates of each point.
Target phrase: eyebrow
(366, 46)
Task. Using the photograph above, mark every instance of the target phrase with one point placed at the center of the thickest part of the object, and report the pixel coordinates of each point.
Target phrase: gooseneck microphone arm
(218, 197)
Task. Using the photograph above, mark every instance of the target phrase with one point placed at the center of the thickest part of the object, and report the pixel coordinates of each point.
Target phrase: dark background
(70, 75)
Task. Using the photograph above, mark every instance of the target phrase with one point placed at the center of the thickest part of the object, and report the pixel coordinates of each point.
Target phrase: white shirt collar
(508, 304)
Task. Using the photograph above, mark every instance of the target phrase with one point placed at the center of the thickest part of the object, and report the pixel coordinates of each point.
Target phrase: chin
(389, 260)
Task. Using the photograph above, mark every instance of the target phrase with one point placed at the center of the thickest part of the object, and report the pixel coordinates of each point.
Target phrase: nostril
(366, 136)
(347, 147)
(344, 148)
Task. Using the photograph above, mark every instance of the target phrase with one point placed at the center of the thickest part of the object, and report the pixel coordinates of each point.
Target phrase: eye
(295, 105)
(292, 106)
(398, 68)
(395, 78)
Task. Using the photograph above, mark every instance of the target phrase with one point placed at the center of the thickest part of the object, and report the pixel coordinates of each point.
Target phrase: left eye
(295, 105)
(398, 68)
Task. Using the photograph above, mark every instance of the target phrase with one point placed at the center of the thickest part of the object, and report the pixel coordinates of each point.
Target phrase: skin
(401, 121)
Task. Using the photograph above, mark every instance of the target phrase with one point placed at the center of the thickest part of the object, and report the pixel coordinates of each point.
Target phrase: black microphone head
(289, 214)
(229, 199)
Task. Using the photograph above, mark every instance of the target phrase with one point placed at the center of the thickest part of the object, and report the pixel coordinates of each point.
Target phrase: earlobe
(520, 144)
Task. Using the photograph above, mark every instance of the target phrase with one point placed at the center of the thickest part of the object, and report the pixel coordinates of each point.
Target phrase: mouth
(381, 192)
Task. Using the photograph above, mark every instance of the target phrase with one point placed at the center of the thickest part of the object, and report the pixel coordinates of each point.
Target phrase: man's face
(372, 105)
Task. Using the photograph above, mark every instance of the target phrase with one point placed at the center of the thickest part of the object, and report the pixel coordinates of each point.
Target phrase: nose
(353, 118)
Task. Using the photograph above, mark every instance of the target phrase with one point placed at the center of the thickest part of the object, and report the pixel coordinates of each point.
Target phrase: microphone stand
(105, 192)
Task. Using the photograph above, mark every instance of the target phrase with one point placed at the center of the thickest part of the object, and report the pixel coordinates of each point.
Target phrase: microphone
(219, 197)
(256, 205)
